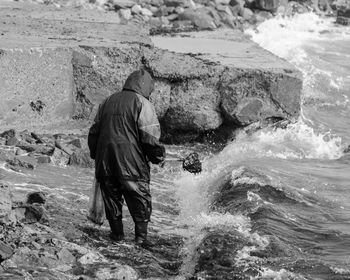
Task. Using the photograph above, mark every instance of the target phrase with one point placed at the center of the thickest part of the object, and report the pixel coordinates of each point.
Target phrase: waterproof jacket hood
(140, 82)
(125, 135)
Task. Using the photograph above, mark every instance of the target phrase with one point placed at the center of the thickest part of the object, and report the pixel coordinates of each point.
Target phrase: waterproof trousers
(136, 195)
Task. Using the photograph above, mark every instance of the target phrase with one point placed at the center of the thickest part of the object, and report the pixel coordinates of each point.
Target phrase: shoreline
(59, 243)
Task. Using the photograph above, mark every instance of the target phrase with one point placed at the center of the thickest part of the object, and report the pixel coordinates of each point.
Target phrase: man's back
(128, 132)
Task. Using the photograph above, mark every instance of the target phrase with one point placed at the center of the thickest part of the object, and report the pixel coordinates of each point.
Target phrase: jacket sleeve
(94, 133)
(149, 129)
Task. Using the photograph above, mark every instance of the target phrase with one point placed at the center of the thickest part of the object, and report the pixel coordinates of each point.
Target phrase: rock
(199, 18)
(234, 3)
(8, 134)
(170, 10)
(247, 14)
(164, 21)
(244, 102)
(75, 143)
(146, 12)
(20, 152)
(9, 264)
(172, 17)
(237, 10)
(125, 14)
(153, 9)
(268, 5)
(346, 150)
(42, 159)
(12, 141)
(294, 8)
(136, 9)
(117, 272)
(122, 4)
(177, 3)
(157, 3)
(162, 11)
(59, 158)
(217, 16)
(82, 159)
(37, 148)
(5, 251)
(230, 21)
(263, 15)
(63, 147)
(65, 256)
(222, 2)
(71, 246)
(5, 204)
(24, 161)
(7, 154)
(32, 213)
(91, 258)
(179, 10)
(216, 253)
(200, 107)
(36, 197)
(155, 22)
(343, 16)
(160, 97)
(225, 9)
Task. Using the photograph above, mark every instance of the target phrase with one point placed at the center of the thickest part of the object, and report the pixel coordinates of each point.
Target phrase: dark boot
(117, 233)
(141, 234)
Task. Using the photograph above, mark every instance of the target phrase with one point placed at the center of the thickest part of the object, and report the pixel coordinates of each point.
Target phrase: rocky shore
(47, 236)
(57, 64)
(163, 16)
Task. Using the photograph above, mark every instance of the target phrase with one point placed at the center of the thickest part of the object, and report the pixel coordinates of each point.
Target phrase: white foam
(339, 270)
(285, 35)
(297, 39)
(282, 274)
(297, 141)
(3, 166)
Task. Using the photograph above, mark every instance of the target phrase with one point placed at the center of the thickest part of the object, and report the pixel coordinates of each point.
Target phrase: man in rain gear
(123, 140)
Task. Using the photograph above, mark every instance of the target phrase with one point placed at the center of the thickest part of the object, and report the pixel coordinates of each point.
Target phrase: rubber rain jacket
(126, 131)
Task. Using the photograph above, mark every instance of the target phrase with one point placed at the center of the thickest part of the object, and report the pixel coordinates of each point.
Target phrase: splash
(281, 274)
(304, 40)
(297, 141)
(284, 36)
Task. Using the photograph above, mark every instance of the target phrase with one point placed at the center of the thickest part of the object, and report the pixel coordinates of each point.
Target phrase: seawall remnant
(57, 65)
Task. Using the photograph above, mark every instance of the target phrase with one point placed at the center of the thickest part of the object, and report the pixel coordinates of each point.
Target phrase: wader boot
(141, 234)
(117, 233)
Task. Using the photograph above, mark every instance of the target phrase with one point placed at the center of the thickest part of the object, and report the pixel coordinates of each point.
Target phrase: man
(123, 140)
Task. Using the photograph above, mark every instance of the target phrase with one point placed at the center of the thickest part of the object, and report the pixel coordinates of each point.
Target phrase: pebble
(136, 9)
(91, 258)
(125, 14)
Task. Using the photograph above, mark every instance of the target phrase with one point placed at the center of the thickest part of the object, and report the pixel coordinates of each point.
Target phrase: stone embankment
(57, 65)
(179, 15)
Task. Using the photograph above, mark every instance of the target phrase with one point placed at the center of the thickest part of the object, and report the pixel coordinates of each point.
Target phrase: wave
(296, 141)
(304, 40)
(284, 36)
(270, 229)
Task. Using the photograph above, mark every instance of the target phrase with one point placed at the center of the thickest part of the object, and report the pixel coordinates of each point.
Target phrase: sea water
(303, 201)
(305, 162)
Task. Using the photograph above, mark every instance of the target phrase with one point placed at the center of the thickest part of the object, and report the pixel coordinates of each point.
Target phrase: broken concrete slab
(52, 84)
